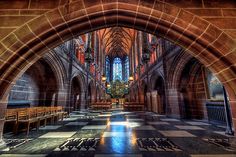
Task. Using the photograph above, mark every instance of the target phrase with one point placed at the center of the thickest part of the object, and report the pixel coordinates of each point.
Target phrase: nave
(118, 78)
(118, 133)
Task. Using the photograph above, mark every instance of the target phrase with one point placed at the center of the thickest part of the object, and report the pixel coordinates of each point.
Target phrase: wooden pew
(11, 118)
(60, 112)
(33, 115)
(41, 115)
(134, 106)
(27, 116)
(101, 105)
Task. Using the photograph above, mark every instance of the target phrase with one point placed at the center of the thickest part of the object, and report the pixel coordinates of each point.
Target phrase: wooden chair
(49, 114)
(11, 117)
(41, 115)
(27, 116)
(61, 113)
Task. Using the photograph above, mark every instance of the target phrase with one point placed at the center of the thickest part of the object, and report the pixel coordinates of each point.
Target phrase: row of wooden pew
(33, 115)
(101, 105)
(134, 106)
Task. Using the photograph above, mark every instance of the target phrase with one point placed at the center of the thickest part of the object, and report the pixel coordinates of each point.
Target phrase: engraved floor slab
(14, 143)
(221, 142)
(176, 134)
(157, 144)
(79, 144)
(187, 127)
(222, 133)
(58, 135)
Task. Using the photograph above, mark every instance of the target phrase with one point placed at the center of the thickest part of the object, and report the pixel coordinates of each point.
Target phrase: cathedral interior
(117, 78)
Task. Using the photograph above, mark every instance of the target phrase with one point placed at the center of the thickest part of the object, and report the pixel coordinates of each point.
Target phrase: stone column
(62, 98)
(148, 101)
(82, 100)
(53, 99)
(77, 103)
(155, 104)
(141, 96)
(173, 100)
(3, 107)
(159, 102)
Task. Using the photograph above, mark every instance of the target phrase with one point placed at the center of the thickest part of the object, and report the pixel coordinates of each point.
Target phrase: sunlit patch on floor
(50, 127)
(58, 135)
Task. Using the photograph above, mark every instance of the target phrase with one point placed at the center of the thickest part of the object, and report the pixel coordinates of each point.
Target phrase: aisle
(119, 133)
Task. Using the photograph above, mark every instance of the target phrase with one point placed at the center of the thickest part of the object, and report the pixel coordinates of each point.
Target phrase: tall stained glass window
(117, 69)
(126, 68)
(108, 69)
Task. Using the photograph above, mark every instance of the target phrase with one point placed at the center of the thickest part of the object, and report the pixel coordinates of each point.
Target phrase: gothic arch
(81, 80)
(24, 46)
(58, 68)
(153, 78)
(187, 86)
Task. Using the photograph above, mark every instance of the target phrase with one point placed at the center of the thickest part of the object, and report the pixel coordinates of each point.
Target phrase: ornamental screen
(117, 69)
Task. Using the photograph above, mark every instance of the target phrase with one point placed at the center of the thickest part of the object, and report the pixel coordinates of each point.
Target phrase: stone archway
(24, 46)
(160, 95)
(187, 87)
(91, 93)
(76, 92)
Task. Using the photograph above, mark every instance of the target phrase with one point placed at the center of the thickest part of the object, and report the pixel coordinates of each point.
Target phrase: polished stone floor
(129, 134)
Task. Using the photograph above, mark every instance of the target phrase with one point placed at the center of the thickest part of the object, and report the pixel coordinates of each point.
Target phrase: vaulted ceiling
(117, 41)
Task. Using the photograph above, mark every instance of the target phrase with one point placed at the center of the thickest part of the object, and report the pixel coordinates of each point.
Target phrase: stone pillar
(62, 98)
(141, 97)
(160, 105)
(3, 107)
(173, 100)
(77, 102)
(53, 99)
(148, 101)
(82, 100)
(155, 105)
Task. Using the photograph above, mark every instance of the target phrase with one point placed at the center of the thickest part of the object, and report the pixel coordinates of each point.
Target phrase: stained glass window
(108, 69)
(215, 87)
(117, 69)
(126, 68)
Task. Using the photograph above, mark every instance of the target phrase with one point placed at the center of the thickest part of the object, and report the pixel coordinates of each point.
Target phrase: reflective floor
(119, 133)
